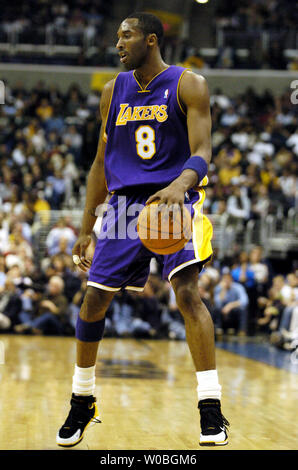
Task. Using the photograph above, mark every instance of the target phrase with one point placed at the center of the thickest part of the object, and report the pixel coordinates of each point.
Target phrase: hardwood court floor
(146, 391)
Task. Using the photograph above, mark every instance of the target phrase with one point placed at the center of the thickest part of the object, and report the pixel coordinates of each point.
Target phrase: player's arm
(96, 190)
(194, 96)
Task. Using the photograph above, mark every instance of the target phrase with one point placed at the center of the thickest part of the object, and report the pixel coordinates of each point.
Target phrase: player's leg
(200, 339)
(89, 332)
(199, 327)
(93, 310)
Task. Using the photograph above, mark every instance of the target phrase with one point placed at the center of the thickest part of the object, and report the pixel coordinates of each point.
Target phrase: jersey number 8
(145, 139)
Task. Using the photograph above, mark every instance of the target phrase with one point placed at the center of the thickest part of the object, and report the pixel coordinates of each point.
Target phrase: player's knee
(95, 304)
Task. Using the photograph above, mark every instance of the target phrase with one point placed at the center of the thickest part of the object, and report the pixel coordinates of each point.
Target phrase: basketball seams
(164, 235)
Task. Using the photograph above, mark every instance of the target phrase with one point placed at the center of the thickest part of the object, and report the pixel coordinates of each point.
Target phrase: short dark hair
(149, 24)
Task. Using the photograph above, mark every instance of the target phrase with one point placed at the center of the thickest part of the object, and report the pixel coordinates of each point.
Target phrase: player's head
(138, 34)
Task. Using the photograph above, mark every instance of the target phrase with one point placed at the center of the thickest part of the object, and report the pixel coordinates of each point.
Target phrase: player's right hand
(79, 252)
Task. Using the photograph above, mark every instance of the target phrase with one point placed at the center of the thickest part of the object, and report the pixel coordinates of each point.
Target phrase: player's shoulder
(108, 87)
(105, 97)
(107, 92)
(191, 79)
(193, 88)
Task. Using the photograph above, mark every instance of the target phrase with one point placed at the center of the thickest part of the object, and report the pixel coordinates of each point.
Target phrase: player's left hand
(172, 196)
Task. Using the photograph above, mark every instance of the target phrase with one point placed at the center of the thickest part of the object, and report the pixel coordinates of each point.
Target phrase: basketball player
(154, 144)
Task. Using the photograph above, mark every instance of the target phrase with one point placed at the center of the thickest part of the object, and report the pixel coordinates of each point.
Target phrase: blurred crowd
(256, 15)
(83, 24)
(48, 140)
(265, 27)
(71, 22)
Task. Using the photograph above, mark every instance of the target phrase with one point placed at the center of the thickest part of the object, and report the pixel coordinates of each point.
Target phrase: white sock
(208, 385)
(83, 382)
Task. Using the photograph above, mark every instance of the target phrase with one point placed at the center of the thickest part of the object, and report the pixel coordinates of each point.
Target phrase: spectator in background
(30, 299)
(260, 202)
(243, 273)
(10, 305)
(268, 313)
(45, 110)
(19, 153)
(279, 203)
(288, 184)
(227, 172)
(71, 177)
(260, 270)
(230, 302)
(56, 188)
(238, 205)
(73, 101)
(55, 123)
(16, 275)
(229, 117)
(194, 59)
(18, 245)
(64, 267)
(74, 140)
(287, 292)
(58, 232)
(53, 316)
(220, 98)
(64, 249)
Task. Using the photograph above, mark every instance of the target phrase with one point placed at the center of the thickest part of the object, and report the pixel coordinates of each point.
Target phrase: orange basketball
(163, 231)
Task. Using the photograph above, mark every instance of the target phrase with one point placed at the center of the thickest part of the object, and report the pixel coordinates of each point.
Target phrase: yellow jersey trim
(202, 232)
(144, 89)
(105, 135)
(197, 223)
(177, 93)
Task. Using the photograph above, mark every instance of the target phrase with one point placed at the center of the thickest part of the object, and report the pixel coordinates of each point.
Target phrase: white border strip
(181, 266)
(101, 286)
(138, 289)
(113, 289)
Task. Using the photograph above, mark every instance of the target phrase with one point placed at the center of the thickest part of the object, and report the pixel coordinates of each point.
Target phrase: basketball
(162, 230)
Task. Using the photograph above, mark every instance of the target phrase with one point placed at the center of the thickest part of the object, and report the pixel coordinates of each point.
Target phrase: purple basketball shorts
(120, 259)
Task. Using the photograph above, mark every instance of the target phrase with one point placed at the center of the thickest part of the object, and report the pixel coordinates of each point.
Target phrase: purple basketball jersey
(146, 131)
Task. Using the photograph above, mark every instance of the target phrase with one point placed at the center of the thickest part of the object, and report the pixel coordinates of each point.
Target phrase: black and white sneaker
(213, 424)
(83, 413)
